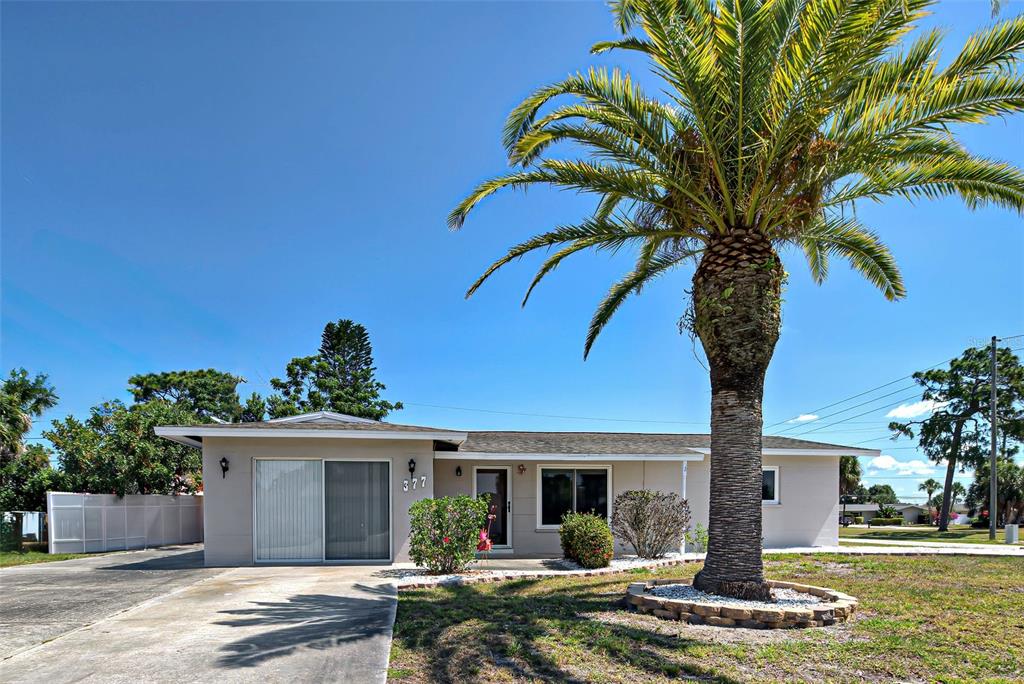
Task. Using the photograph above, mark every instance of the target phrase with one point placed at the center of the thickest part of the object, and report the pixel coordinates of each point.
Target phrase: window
(583, 490)
(770, 485)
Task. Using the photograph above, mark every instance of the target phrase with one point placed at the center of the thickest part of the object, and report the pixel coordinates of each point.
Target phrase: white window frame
(323, 512)
(571, 466)
(778, 499)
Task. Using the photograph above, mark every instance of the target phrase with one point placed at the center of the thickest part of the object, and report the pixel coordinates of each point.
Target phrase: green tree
(775, 117)
(929, 487)
(882, 494)
(958, 430)
(849, 475)
(341, 377)
(22, 471)
(208, 393)
(254, 410)
(1009, 490)
(115, 451)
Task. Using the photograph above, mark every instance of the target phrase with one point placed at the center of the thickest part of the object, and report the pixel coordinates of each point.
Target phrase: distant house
(911, 512)
(326, 487)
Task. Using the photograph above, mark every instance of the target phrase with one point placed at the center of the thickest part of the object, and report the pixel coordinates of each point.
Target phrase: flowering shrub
(652, 522)
(445, 532)
(586, 539)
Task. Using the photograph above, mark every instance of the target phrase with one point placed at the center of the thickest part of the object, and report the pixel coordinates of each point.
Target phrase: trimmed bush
(445, 532)
(858, 520)
(652, 522)
(886, 521)
(586, 539)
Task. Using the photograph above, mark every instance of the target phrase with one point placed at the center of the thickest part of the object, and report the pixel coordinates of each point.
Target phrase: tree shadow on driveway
(308, 621)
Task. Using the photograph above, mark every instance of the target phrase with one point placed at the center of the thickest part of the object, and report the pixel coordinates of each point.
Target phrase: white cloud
(918, 408)
(890, 465)
(804, 417)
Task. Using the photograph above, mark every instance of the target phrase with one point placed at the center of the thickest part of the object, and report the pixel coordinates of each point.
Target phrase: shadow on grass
(536, 636)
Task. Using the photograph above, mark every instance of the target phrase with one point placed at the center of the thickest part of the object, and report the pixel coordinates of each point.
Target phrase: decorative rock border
(428, 581)
(835, 607)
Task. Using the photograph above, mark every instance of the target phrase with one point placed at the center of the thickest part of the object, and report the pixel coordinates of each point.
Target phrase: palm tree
(777, 116)
(849, 474)
(929, 487)
(956, 493)
(21, 400)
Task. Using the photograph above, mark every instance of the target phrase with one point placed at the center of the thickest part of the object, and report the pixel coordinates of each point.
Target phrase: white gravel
(784, 598)
(629, 562)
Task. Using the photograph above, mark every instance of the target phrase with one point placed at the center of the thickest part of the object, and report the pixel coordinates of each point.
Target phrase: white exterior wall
(228, 519)
(808, 510)
(529, 540)
(807, 514)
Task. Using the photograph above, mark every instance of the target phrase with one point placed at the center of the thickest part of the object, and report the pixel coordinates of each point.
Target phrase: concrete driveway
(296, 624)
(41, 602)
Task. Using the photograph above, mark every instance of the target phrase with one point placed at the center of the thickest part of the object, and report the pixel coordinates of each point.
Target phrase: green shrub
(886, 521)
(652, 522)
(586, 539)
(858, 520)
(697, 538)
(445, 532)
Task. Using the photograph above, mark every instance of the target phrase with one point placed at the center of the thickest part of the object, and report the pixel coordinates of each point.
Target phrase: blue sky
(191, 185)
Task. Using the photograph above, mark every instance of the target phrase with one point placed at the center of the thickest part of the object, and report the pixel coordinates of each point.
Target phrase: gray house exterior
(326, 487)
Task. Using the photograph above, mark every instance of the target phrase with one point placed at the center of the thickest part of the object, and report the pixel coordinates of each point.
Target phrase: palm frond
(649, 266)
(847, 238)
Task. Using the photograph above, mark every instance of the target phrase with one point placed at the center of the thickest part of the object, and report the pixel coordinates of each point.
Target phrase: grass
(30, 556)
(922, 618)
(965, 535)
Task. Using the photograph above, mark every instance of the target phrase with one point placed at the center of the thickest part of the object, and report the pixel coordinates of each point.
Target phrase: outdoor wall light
(223, 466)
(412, 466)
(458, 471)
(522, 469)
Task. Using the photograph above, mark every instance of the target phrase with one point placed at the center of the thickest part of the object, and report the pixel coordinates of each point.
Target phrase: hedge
(886, 521)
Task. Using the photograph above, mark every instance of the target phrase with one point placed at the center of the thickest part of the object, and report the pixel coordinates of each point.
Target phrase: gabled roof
(320, 424)
(329, 417)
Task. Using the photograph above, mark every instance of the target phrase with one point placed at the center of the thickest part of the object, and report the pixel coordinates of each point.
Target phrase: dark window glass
(555, 495)
(767, 485)
(592, 492)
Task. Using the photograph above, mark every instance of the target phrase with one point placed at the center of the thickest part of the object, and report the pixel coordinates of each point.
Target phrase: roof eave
(174, 432)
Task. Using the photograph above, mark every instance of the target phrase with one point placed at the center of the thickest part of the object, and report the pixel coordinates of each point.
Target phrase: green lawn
(920, 619)
(9, 558)
(955, 534)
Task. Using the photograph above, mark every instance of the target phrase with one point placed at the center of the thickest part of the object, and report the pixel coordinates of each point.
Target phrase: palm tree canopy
(777, 116)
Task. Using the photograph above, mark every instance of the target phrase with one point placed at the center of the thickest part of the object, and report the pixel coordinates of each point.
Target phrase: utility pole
(993, 499)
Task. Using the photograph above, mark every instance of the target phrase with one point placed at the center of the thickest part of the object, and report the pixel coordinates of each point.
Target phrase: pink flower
(447, 540)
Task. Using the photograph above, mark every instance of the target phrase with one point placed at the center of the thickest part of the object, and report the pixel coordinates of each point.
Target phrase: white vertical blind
(289, 512)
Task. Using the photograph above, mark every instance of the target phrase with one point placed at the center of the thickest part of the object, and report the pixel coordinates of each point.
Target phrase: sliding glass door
(289, 512)
(358, 510)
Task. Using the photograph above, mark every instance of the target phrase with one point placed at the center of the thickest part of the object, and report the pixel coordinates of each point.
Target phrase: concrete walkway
(989, 549)
(263, 624)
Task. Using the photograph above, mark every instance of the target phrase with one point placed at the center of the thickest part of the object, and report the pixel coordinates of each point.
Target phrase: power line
(882, 386)
(548, 415)
(863, 403)
(877, 408)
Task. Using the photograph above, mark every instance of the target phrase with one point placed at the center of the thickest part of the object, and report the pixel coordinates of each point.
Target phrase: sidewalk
(995, 549)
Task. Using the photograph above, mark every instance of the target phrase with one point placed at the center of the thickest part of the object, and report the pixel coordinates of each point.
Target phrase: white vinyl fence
(88, 523)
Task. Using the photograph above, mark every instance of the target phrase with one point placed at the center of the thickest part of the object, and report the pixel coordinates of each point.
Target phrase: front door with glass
(494, 482)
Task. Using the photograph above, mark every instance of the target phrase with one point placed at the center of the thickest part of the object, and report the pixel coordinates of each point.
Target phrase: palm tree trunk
(736, 313)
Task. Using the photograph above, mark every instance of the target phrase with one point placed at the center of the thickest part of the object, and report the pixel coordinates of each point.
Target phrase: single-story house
(326, 487)
(911, 513)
